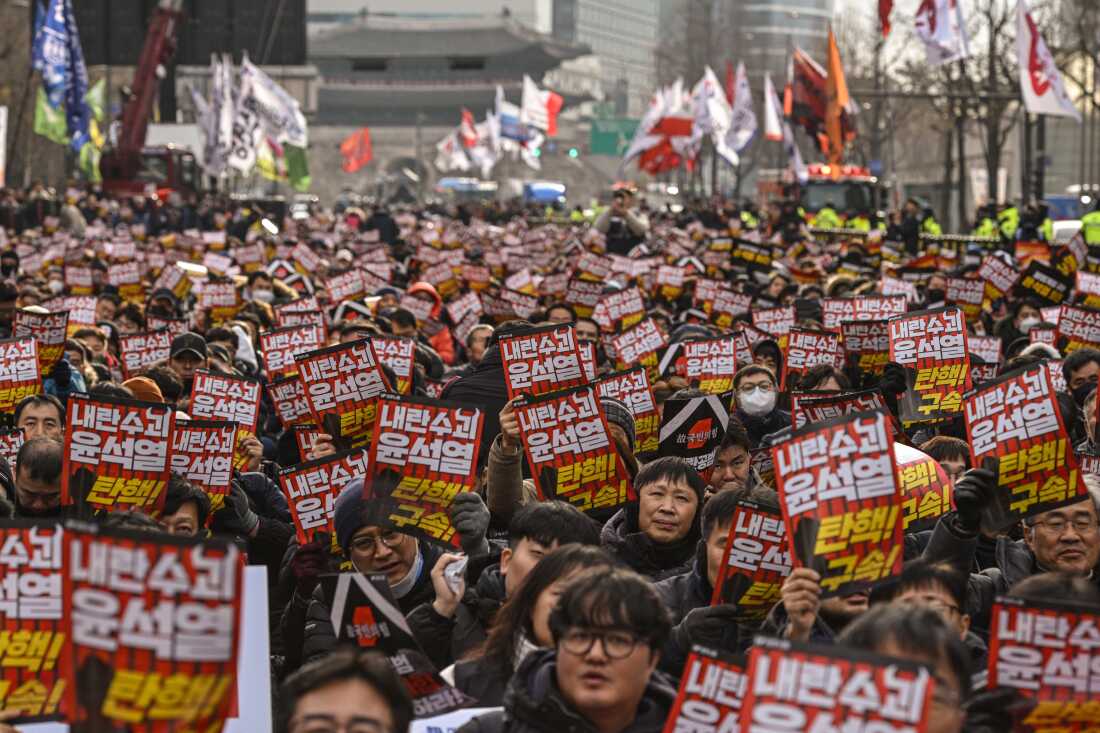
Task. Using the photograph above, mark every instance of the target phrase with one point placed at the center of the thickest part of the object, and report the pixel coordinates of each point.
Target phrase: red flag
(467, 129)
(356, 149)
(836, 101)
(885, 7)
(730, 81)
(553, 107)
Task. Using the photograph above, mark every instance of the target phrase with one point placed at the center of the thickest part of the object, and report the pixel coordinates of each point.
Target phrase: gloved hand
(994, 710)
(309, 562)
(715, 627)
(62, 374)
(236, 516)
(972, 492)
(470, 517)
(893, 379)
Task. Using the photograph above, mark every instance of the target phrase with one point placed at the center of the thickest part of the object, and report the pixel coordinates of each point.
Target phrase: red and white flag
(539, 107)
(941, 27)
(885, 7)
(712, 116)
(773, 112)
(467, 129)
(743, 122)
(1040, 81)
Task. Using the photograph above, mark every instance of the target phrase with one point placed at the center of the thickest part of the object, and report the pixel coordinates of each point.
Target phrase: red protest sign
(799, 687)
(341, 385)
(861, 308)
(925, 489)
(639, 346)
(202, 452)
(986, 348)
(234, 399)
(155, 629)
(50, 331)
(968, 294)
(345, 286)
(305, 437)
(1015, 428)
(999, 273)
(289, 398)
(583, 295)
(280, 346)
(34, 627)
(174, 326)
(807, 349)
(570, 451)
(399, 354)
(423, 453)
(304, 318)
(808, 408)
(710, 694)
(311, 489)
(708, 364)
(755, 562)
(633, 389)
(541, 360)
(220, 299)
(621, 309)
(19, 375)
(81, 310)
(727, 306)
(774, 321)
(139, 350)
(11, 440)
(931, 345)
(1080, 327)
(839, 494)
(116, 453)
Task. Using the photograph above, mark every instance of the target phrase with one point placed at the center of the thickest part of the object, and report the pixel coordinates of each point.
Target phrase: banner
(423, 453)
(1015, 428)
(795, 686)
(541, 360)
(931, 345)
(341, 384)
(311, 489)
(50, 331)
(755, 563)
(1080, 327)
(570, 451)
(289, 399)
(19, 375)
(633, 389)
(710, 694)
(116, 454)
(808, 408)
(364, 612)
(202, 452)
(860, 308)
(807, 349)
(639, 347)
(233, 399)
(838, 490)
(280, 346)
(35, 629)
(693, 429)
(155, 629)
(140, 350)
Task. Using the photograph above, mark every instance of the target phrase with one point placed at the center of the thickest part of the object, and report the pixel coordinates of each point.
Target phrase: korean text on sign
(931, 345)
(756, 562)
(341, 384)
(541, 360)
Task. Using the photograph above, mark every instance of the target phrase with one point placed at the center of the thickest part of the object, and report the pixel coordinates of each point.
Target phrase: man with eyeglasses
(601, 675)
(757, 403)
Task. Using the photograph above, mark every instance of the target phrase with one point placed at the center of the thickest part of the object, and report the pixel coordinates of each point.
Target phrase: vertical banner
(570, 451)
(931, 345)
(202, 452)
(365, 614)
(633, 389)
(311, 489)
(755, 563)
(711, 690)
(793, 686)
(50, 331)
(289, 398)
(693, 429)
(33, 627)
(140, 350)
(19, 375)
(926, 493)
(155, 630)
(541, 360)
(116, 454)
(399, 355)
(423, 453)
(838, 490)
(1015, 428)
(280, 346)
(342, 384)
(233, 399)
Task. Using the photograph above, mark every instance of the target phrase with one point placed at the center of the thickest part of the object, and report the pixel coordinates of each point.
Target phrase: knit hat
(349, 513)
(144, 389)
(618, 413)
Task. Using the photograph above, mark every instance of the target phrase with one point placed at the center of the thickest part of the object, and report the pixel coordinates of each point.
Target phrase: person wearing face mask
(935, 291)
(1081, 370)
(261, 287)
(1022, 316)
(9, 265)
(757, 403)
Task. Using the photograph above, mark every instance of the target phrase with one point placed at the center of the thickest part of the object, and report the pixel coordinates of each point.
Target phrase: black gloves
(236, 516)
(893, 379)
(972, 492)
(470, 518)
(309, 562)
(715, 627)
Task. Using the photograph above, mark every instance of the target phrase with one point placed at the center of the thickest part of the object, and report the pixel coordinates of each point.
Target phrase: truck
(852, 188)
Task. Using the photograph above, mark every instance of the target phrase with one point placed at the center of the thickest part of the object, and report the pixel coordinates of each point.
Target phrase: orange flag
(837, 92)
(356, 149)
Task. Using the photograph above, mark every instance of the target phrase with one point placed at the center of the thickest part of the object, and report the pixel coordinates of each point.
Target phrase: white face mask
(55, 286)
(264, 296)
(758, 402)
(1028, 323)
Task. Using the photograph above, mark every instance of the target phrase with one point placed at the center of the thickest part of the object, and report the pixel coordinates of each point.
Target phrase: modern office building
(764, 32)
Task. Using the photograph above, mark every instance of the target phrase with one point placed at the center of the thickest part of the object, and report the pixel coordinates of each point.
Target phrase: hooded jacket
(442, 341)
(534, 703)
(634, 549)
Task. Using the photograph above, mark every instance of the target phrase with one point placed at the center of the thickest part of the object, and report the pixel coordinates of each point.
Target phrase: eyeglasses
(368, 545)
(746, 388)
(328, 724)
(1058, 525)
(935, 604)
(616, 644)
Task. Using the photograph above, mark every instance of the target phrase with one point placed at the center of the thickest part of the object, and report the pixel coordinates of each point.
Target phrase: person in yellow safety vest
(1009, 221)
(929, 225)
(859, 221)
(1047, 227)
(749, 220)
(986, 227)
(576, 216)
(1090, 226)
(827, 218)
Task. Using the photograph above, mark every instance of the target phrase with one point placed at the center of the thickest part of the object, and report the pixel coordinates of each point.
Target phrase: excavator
(130, 167)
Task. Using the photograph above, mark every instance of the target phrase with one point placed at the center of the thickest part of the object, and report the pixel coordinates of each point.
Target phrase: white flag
(225, 113)
(794, 155)
(450, 155)
(743, 122)
(529, 151)
(773, 111)
(1040, 81)
(712, 116)
(247, 131)
(644, 138)
(279, 112)
(941, 27)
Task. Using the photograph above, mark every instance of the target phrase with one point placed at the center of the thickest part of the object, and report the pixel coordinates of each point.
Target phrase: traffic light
(573, 152)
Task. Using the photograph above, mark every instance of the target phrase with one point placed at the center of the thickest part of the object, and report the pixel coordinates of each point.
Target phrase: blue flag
(57, 55)
(78, 115)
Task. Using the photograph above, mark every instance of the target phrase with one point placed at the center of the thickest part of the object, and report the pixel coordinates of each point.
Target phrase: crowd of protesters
(563, 620)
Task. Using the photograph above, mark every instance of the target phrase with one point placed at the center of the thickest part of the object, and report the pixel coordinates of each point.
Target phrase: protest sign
(220, 299)
(774, 321)
(866, 345)
(925, 489)
(234, 399)
(174, 326)
(304, 318)
(1045, 284)
(968, 294)
(841, 503)
(19, 375)
(639, 347)
(986, 348)
(755, 562)
(711, 689)
(280, 346)
(692, 429)
(808, 408)
(305, 437)
(807, 349)
(999, 273)
(620, 310)
(116, 453)
(727, 306)
(583, 295)
(11, 440)
(341, 384)
(931, 345)
(311, 489)
(202, 452)
(399, 354)
(1080, 327)
(1088, 285)
(541, 360)
(423, 453)
(81, 310)
(1015, 429)
(289, 399)
(751, 256)
(633, 389)
(570, 451)
(48, 329)
(140, 350)
(861, 308)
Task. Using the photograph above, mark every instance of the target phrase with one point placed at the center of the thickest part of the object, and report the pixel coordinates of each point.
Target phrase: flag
(449, 154)
(712, 116)
(773, 111)
(838, 100)
(486, 152)
(885, 7)
(297, 167)
(539, 107)
(278, 111)
(57, 55)
(731, 82)
(809, 101)
(743, 121)
(941, 27)
(508, 114)
(467, 129)
(49, 122)
(664, 137)
(356, 149)
(1040, 81)
(794, 155)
